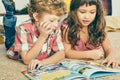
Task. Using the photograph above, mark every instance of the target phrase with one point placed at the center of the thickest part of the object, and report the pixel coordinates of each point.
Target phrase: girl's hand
(35, 63)
(97, 54)
(110, 60)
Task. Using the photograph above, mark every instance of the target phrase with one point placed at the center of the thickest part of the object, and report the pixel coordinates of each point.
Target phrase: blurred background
(21, 6)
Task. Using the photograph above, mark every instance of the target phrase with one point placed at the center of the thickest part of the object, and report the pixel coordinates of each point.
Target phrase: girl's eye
(82, 12)
(92, 12)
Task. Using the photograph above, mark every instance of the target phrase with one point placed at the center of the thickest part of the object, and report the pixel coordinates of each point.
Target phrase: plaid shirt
(26, 36)
(108, 6)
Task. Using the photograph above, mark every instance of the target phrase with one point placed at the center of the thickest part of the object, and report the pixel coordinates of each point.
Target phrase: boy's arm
(56, 57)
(23, 44)
(27, 56)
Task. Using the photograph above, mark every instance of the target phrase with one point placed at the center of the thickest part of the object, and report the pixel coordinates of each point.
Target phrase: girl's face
(86, 14)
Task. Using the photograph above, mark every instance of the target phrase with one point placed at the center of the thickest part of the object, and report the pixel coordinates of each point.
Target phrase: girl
(38, 41)
(84, 33)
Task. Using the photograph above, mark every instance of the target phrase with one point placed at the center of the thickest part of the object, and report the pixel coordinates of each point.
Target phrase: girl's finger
(109, 63)
(104, 61)
(114, 65)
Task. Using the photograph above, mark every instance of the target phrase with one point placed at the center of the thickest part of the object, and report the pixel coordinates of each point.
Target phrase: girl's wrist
(89, 54)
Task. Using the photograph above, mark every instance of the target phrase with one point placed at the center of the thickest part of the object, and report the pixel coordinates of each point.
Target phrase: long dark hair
(96, 29)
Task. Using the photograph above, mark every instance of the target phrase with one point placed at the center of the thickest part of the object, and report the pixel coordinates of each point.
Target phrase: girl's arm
(60, 55)
(110, 54)
(74, 54)
(107, 47)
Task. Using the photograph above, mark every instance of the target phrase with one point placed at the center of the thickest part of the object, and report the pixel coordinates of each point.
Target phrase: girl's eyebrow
(93, 9)
(85, 9)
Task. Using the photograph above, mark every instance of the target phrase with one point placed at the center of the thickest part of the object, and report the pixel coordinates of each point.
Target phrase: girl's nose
(87, 15)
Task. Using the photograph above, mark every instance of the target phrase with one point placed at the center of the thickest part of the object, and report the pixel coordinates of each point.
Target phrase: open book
(87, 69)
(70, 70)
(47, 72)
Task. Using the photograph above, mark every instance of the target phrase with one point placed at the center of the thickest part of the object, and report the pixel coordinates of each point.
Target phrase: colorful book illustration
(47, 72)
(87, 69)
(70, 70)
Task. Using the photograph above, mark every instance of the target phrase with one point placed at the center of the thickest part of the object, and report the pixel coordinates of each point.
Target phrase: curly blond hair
(56, 7)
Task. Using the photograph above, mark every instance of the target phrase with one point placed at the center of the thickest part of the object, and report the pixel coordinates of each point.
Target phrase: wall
(115, 7)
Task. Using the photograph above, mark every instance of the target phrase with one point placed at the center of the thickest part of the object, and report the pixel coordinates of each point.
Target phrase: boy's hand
(35, 63)
(45, 28)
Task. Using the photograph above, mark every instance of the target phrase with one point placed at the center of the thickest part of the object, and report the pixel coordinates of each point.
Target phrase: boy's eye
(58, 20)
(51, 20)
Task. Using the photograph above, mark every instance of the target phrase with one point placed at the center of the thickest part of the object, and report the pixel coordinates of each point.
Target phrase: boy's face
(86, 14)
(52, 19)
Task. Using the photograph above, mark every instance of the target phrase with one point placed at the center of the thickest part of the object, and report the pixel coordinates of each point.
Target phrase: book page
(89, 68)
(47, 72)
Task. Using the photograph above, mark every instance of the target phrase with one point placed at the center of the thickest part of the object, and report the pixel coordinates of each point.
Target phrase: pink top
(84, 47)
(80, 44)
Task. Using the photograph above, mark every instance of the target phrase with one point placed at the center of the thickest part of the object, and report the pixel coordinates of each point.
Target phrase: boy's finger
(46, 25)
(29, 65)
(39, 66)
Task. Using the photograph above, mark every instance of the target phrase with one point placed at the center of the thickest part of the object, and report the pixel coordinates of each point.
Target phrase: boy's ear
(36, 16)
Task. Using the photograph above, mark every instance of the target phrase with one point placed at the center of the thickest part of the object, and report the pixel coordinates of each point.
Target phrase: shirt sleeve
(57, 42)
(23, 39)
